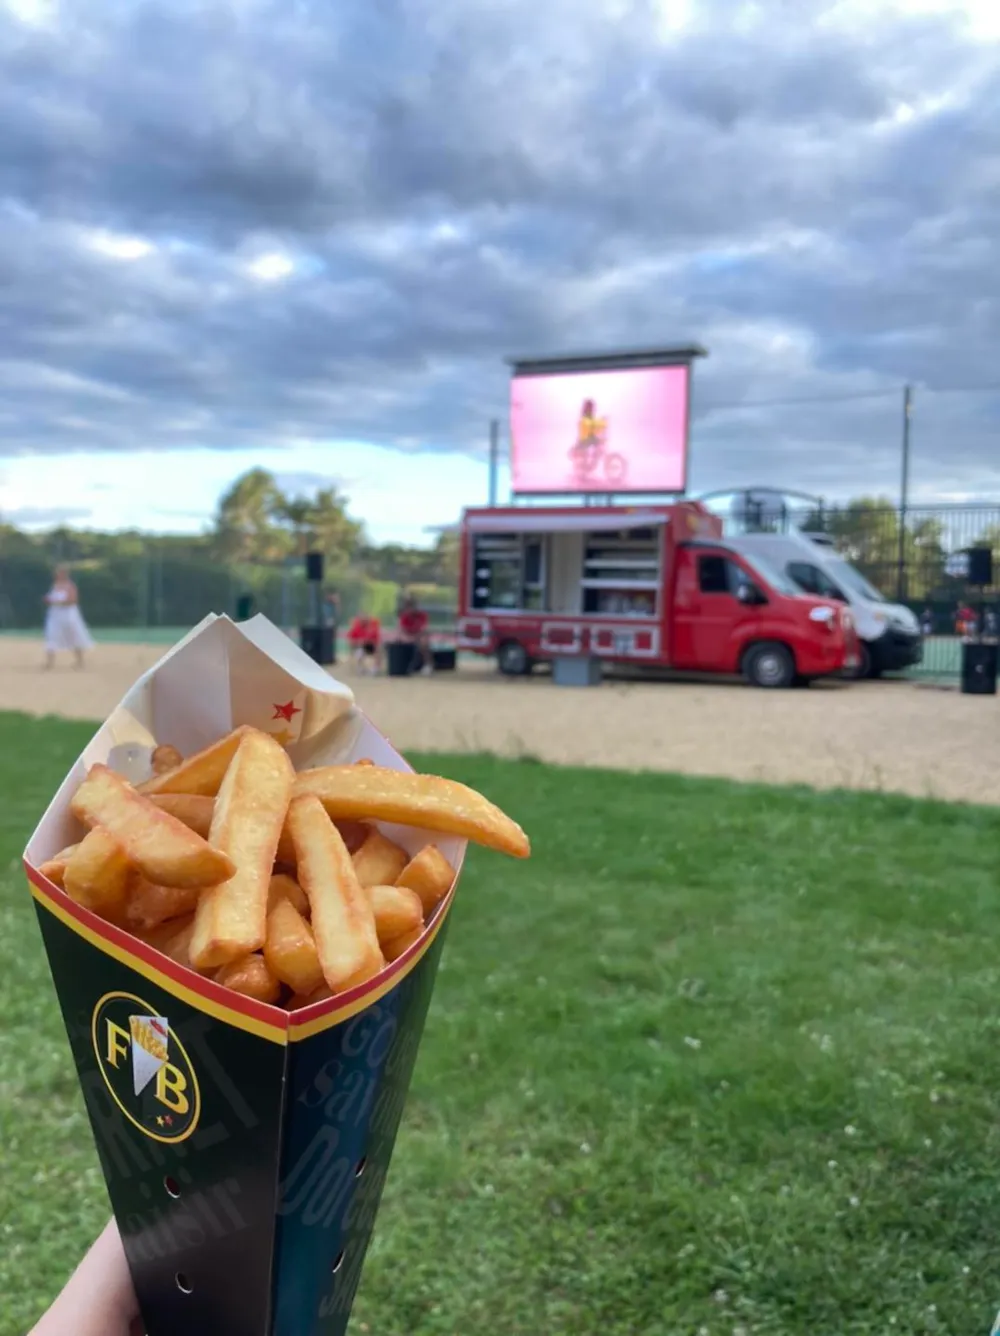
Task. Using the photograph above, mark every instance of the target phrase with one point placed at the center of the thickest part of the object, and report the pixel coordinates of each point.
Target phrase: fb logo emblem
(145, 1067)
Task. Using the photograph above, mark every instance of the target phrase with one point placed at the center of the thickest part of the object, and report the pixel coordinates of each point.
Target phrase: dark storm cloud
(816, 201)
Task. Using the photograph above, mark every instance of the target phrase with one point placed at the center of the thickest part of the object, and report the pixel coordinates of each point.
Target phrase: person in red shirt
(365, 640)
(413, 630)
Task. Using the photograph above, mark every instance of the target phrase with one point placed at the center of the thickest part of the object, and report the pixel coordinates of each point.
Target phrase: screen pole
(494, 459)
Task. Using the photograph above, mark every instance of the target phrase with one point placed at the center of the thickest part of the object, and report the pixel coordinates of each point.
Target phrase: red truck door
(710, 622)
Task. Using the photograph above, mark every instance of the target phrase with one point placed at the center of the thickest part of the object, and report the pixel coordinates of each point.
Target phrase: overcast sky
(306, 233)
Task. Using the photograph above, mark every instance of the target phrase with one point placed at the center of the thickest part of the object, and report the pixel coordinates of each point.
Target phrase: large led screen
(600, 431)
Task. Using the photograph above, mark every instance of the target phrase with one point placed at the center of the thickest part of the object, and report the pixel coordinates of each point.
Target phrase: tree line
(255, 548)
(258, 538)
(908, 556)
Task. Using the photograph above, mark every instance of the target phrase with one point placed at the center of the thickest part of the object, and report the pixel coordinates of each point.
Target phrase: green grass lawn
(719, 1060)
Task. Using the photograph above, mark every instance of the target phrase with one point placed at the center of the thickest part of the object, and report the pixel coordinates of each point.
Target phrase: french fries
(231, 918)
(178, 944)
(250, 976)
(150, 904)
(290, 949)
(379, 862)
(343, 920)
(398, 911)
(96, 874)
(193, 809)
(157, 843)
(300, 1000)
(165, 758)
(283, 887)
(370, 792)
(202, 773)
(394, 949)
(429, 874)
(55, 868)
(354, 833)
(278, 886)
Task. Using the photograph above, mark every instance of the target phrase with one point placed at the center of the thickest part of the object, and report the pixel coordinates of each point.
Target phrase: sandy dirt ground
(881, 735)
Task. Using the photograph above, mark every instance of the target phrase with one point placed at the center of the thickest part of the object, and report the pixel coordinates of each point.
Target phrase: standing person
(64, 624)
(413, 630)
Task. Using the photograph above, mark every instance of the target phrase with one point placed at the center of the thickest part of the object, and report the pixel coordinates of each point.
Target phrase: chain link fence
(137, 588)
(911, 556)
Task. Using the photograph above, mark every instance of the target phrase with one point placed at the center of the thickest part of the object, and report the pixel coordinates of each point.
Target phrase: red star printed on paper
(286, 712)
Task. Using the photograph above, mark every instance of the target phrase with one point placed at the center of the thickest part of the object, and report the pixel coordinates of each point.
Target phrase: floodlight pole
(904, 495)
(494, 458)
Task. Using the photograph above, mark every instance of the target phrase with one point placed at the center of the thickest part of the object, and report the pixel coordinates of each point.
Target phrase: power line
(845, 398)
(811, 399)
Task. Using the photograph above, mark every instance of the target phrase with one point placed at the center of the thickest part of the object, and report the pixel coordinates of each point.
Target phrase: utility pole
(904, 496)
(494, 458)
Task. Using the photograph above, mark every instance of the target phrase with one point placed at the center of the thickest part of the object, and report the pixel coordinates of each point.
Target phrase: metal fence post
(904, 492)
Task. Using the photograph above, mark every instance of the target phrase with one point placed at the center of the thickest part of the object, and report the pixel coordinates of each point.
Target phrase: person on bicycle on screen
(590, 433)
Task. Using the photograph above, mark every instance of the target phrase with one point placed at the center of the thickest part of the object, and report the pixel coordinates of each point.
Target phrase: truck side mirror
(746, 594)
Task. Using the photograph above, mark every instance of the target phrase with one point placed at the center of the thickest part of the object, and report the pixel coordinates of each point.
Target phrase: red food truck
(644, 584)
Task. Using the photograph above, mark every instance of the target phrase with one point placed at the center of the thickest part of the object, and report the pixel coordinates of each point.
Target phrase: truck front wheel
(512, 659)
(769, 665)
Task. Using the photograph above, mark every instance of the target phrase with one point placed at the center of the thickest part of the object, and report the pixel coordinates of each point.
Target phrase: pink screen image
(600, 431)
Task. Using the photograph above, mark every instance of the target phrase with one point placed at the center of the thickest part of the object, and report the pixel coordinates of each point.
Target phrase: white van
(889, 634)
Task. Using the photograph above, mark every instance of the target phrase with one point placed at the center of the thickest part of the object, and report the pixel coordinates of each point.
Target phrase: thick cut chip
(429, 874)
(354, 832)
(343, 921)
(290, 949)
(165, 758)
(379, 862)
(150, 904)
(194, 810)
(369, 792)
(231, 919)
(55, 867)
(178, 945)
(394, 949)
(160, 936)
(97, 875)
(299, 1000)
(160, 846)
(397, 911)
(283, 887)
(202, 773)
(250, 976)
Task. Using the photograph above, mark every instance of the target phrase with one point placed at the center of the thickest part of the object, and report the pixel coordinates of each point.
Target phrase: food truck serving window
(508, 571)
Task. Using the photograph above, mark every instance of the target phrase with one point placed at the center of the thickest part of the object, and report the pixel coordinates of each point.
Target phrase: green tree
(866, 532)
(245, 522)
(331, 529)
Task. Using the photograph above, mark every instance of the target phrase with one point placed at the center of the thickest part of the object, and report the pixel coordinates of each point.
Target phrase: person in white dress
(64, 624)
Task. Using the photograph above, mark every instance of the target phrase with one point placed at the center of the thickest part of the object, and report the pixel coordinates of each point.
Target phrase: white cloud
(272, 267)
(117, 246)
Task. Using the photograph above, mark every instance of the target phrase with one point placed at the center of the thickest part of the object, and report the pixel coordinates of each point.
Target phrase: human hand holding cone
(240, 1137)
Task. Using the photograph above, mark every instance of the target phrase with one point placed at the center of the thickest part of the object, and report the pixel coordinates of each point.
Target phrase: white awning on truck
(585, 522)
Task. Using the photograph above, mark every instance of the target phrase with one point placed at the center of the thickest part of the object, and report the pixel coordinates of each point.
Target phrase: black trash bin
(979, 669)
(445, 660)
(400, 658)
(319, 643)
(244, 607)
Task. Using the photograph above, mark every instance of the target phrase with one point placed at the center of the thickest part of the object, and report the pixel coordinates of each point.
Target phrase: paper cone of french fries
(245, 1145)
